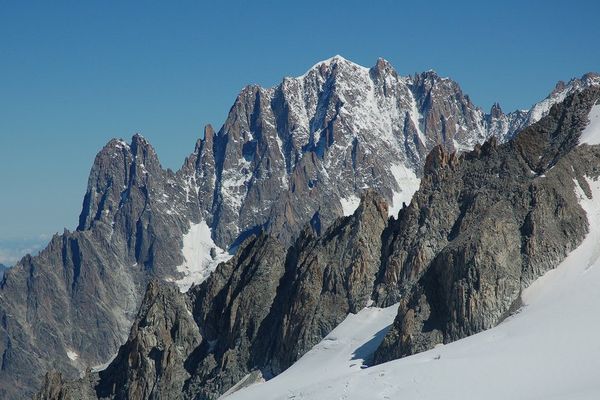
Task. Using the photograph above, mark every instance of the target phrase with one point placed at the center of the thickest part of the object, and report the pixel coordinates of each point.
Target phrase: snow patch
(344, 350)
(591, 133)
(542, 108)
(73, 355)
(414, 117)
(198, 261)
(408, 184)
(461, 148)
(349, 204)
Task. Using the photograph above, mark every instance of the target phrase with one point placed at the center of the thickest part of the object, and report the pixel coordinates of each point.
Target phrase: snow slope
(549, 350)
(591, 133)
(341, 352)
(408, 183)
(198, 262)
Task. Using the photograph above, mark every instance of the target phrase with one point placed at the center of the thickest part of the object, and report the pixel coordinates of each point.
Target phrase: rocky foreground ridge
(482, 226)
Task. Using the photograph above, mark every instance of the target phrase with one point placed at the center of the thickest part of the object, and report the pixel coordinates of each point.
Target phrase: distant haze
(12, 250)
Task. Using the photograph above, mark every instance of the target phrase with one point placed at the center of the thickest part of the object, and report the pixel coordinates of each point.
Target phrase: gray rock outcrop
(483, 226)
(254, 316)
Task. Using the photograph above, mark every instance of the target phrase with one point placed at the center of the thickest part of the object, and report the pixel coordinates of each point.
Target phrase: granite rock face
(332, 275)
(253, 317)
(231, 308)
(315, 141)
(318, 140)
(71, 306)
(151, 364)
(483, 226)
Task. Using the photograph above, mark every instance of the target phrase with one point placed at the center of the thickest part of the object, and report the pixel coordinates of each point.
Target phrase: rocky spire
(496, 111)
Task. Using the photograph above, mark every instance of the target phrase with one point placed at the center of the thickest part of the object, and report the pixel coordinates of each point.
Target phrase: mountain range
(278, 225)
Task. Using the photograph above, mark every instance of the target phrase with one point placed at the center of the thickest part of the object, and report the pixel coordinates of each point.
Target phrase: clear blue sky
(75, 74)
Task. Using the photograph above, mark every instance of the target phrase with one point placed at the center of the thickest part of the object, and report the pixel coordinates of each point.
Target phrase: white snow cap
(331, 61)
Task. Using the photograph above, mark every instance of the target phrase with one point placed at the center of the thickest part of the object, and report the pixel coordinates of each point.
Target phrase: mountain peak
(116, 143)
(559, 87)
(586, 80)
(325, 66)
(334, 60)
(430, 75)
(337, 58)
(560, 92)
(496, 110)
(209, 132)
(383, 66)
(382, 61)
(139, 140)
(143, 151)
(589, 78)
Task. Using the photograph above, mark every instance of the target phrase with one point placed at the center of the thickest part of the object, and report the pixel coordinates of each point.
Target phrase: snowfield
(408, 183)
(591, 133)
(198, 262)
(548, 350)
(349, 205)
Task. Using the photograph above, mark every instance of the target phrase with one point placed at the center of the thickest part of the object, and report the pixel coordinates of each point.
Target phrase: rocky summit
(279, 223)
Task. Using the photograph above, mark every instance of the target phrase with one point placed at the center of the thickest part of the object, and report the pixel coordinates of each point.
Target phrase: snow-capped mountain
(323, 137)
(547, 350)
(307, 148)
(559, 93)
(296, 155)
(459, 259)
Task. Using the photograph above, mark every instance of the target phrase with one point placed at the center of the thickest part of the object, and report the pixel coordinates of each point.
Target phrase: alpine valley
(343, 235)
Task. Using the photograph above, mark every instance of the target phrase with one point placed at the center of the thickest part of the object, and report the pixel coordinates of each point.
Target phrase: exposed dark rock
(230, 308)
(256, 314)
(478, 233)
(331, 276)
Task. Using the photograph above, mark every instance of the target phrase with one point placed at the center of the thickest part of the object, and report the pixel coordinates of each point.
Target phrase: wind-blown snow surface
(198, 262)
(591, 133)
(549, 350)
